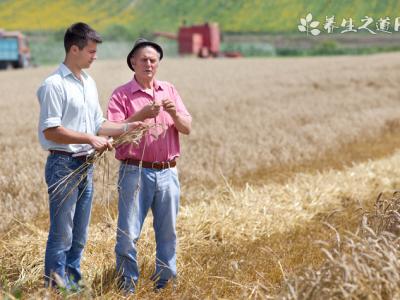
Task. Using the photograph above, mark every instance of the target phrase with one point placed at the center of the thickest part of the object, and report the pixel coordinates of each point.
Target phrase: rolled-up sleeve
(180, 107)
(50, 99)
(99, 118)
(116, 111)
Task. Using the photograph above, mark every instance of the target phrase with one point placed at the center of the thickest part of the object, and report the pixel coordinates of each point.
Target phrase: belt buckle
(160, 165)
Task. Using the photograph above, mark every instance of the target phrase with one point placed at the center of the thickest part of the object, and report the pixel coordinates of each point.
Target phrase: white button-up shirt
(69, 102)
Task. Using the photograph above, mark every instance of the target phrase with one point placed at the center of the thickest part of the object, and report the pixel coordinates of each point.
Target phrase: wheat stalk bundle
(72, 180)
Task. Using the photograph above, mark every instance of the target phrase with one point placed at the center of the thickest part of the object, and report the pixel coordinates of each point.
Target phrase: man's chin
(86, 66)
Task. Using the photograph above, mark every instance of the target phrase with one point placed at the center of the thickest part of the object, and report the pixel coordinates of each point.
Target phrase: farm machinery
(201, 40)
(14, 50)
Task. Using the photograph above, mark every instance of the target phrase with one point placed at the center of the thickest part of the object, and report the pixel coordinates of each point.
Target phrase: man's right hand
(100, 143)
(150, 111)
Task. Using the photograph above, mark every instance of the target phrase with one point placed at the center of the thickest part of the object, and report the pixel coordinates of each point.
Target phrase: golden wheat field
(279, 180)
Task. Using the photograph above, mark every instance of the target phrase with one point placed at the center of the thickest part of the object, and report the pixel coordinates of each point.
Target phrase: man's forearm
(113, 129)
(137, 117)
(183, 123)
(62, 135)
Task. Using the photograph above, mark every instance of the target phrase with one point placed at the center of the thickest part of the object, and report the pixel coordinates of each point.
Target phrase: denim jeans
(158, 190)
(70, 205)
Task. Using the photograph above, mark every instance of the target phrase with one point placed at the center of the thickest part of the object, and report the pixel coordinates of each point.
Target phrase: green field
(145, 16)
(253, 27)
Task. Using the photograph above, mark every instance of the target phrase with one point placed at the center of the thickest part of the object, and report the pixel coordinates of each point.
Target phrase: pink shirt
(128, 99)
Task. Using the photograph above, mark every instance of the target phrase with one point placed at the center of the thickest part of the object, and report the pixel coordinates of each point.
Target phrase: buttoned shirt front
(69, 102)
(161, 143)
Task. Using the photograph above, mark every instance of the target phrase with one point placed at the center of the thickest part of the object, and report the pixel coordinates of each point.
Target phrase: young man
(156, 184)
(70, 120)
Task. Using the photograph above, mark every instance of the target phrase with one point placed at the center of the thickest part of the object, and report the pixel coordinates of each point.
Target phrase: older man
(148, 177)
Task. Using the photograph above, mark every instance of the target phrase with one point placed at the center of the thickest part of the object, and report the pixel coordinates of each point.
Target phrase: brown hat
(140, 43)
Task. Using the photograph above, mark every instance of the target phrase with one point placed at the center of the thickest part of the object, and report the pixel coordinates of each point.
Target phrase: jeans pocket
(57, 168)
(127, 170)
(175, 174)
(48, 169)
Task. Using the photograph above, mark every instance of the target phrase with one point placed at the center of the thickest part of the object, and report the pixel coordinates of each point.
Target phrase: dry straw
(67, 184)
(225, 221)
(310, 106)
(362, 265)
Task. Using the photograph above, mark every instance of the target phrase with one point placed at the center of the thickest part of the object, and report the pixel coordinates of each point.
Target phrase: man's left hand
(169, 107)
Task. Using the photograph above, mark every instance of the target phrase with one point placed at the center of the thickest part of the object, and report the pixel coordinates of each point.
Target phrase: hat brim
(141, 45)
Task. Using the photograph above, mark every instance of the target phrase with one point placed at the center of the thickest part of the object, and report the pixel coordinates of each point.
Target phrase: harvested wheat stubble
(362, 265)
(249, 115)
(223, 218)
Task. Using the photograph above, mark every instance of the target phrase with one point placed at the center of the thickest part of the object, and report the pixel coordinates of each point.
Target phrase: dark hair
(79, 34)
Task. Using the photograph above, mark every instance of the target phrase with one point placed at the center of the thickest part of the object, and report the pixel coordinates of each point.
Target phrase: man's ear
(133, 62)
(74, 49)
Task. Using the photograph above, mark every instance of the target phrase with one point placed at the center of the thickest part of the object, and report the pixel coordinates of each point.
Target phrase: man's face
(87, 55)
(145, 62)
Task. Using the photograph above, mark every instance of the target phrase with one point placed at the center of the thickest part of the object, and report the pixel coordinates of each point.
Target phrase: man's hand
(150, 111)
(169, 107)
(100, 143)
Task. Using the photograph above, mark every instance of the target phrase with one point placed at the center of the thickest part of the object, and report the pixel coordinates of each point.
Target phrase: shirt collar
(65, 71)
(135, 86)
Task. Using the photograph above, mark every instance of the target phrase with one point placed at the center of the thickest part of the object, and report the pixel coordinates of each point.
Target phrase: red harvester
(201, 40)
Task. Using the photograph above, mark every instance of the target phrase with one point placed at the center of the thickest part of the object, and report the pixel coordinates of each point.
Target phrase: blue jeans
(158, 190)
(70, 205)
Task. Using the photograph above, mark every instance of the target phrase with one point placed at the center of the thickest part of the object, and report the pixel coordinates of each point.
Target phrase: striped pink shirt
(159, 144)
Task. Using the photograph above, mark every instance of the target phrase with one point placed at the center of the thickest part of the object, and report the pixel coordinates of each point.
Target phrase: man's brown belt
(159, 165)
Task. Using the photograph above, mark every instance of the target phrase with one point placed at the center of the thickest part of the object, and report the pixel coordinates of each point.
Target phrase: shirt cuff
(51, 122)
(98, 125)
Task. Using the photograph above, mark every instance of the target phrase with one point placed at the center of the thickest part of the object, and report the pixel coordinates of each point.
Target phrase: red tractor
(201, 40)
